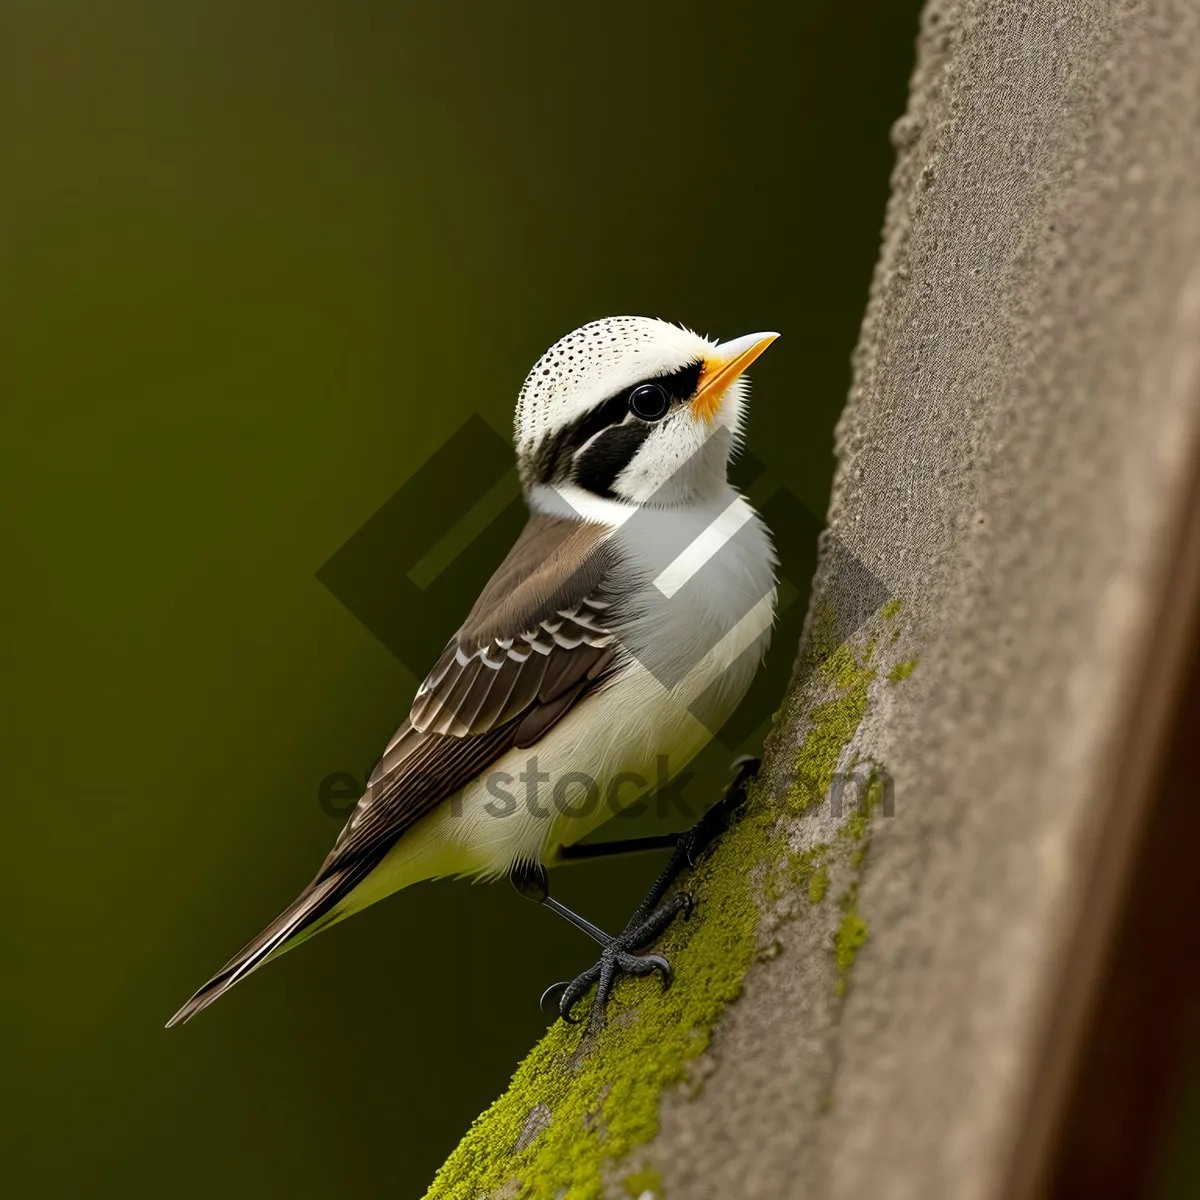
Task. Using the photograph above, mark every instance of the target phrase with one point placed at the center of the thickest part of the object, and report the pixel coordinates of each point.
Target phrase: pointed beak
(722, 366)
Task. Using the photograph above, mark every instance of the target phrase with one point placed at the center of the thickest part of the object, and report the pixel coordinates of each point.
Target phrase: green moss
(823, 640)
(891, 610)
(856, 826)
(577, 1106)
(860, 819)
(819, 885)
(847, 940)
(847, 672)
(852, 931)
(772, 888)
(901, 671)
(802, 867)
(849, 666)
(649, 1179)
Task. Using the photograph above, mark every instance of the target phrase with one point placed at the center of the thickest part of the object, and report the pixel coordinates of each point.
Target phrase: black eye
(649, 402)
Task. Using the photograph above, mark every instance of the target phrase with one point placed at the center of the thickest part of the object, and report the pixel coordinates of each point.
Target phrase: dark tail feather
(312, 904)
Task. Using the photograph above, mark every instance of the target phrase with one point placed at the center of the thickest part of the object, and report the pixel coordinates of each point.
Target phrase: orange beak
(722, 366)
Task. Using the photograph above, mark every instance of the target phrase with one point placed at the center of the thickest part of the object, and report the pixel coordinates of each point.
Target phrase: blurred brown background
(261, 261)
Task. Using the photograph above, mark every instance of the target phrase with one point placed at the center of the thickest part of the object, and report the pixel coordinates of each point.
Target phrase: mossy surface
(860, 819)
(846, 673)
(648, 1179)
(576, 1107)
(851, 933)
(819, 885)
(807, 871)
(847, 941)
(902, 671)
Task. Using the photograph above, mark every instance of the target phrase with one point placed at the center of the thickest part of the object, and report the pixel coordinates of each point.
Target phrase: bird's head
(634, 410)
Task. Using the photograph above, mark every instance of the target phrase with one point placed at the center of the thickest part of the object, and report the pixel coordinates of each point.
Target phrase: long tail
(309, 907)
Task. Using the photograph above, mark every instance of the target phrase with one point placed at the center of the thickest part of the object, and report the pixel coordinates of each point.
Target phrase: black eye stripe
(678, 385)
(555, 458)
(613, 411)
(599, 465)
(681, 384)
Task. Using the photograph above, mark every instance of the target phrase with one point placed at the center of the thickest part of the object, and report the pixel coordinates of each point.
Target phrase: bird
(619, 633)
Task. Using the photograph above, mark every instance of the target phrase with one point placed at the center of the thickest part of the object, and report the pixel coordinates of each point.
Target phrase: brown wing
(537, 641)
(535, 632)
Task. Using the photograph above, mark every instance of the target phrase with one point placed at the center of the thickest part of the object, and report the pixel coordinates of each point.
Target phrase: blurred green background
(261, 261)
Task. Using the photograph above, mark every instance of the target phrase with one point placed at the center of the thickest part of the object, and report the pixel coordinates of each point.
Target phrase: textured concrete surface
(1014, 465)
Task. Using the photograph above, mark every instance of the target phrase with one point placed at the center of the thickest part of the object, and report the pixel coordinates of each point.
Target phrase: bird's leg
(530, 880)
(655, 841)
(652, 916)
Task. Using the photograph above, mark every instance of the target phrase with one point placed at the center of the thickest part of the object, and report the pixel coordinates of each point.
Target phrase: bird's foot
(620, 957)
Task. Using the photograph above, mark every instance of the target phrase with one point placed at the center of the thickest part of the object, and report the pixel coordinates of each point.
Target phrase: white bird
(621, 631)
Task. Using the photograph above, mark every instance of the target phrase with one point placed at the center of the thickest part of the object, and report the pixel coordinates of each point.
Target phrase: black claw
(662, 966)
(554, 987)
(568, 1000)
(578, 988)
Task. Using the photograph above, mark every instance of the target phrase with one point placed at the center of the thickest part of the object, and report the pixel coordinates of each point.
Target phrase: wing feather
(537, 642)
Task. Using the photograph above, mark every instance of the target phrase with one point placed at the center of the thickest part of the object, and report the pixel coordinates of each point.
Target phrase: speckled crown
(594, 362)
